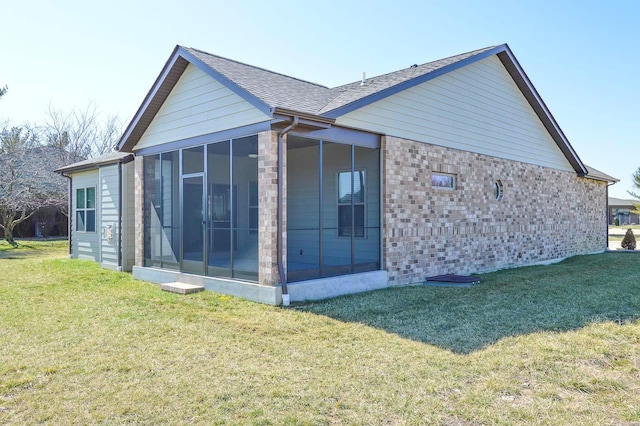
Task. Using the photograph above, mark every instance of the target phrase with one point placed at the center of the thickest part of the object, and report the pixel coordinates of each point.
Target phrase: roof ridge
(420, 65)
(256, 67)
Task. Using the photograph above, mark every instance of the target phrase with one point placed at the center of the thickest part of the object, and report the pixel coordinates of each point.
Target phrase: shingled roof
(271, 92)
(282, 91)
(273, 89)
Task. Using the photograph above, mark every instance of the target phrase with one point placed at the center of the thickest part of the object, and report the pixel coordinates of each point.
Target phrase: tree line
(29, 154)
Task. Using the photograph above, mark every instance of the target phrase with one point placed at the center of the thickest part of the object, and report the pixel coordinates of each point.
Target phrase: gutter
(283, 278)
(607, 213)
(120, 221)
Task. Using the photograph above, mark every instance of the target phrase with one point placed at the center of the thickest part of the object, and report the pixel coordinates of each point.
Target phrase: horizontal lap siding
(198, 105)
(477, 108)
(128, 218)
(109, 215)
(85, 245)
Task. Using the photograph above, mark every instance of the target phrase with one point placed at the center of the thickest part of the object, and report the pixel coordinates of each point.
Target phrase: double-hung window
(344, 203)
(86, 209)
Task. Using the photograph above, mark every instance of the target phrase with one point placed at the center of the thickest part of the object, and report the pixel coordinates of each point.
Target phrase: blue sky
(582, 56)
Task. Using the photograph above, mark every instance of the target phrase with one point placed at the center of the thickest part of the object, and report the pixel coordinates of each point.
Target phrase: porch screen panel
(337, 215)
(161, 210)
(152, 211)
(367, 221)
(219, 209)
(303, 209)
(244, 219)
(170, 210)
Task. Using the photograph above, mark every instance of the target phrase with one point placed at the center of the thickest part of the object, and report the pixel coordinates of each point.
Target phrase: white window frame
(442, 177)
(86, 209)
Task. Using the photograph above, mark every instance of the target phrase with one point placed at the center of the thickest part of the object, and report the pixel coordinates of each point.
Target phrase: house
(272, 188)
(620, 212)
(102, 215)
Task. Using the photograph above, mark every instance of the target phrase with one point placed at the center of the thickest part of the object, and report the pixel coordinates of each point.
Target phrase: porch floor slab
(181, 288)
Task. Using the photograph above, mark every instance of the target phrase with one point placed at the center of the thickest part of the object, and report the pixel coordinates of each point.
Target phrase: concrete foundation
(324, 288)
(318, 289)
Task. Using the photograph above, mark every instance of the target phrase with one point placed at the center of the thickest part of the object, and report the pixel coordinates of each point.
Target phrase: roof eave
(90, 166)
(374, 97)
(521, 79)
(165, 82)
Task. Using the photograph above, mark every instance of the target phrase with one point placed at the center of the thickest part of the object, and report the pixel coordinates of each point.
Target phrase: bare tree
(108, 134)
(81, 132)
(28, 181)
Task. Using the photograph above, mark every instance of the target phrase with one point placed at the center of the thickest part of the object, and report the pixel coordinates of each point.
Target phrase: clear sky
(582, 56)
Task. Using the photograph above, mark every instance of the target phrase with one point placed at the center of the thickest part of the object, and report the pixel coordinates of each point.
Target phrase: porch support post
(268, 208)
(139, 210)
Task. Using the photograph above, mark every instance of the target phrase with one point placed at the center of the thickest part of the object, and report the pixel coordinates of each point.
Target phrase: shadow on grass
(29, 248)
(561, 297)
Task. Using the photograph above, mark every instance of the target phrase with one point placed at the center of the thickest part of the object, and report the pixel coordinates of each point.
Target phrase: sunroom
(203, 221)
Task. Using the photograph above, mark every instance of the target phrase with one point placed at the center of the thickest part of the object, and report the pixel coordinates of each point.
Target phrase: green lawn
(555, 344)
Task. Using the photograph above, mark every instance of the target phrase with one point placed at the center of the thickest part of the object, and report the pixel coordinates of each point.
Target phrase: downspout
(283, 280)
(119, 267)
(607, 213)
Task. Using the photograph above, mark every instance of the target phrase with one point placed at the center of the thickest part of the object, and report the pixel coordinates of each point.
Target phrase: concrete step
(181, 288)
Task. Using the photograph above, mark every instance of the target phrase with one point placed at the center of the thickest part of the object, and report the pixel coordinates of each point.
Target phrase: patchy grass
(557, 344)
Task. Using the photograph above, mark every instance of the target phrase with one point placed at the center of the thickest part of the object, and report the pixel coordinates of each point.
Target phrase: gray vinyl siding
(477, 108)
(109, 216)
(128, 217)
(85, 245)
(198, 105)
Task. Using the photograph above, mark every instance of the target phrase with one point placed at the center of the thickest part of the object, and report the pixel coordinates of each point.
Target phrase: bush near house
(629, 240)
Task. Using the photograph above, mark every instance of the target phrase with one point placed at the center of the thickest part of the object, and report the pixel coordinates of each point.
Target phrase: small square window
(443, 181)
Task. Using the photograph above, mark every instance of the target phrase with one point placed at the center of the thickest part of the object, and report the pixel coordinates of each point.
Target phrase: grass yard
(555, 344)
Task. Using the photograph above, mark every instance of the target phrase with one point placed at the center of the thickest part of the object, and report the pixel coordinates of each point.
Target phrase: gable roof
(269, 91)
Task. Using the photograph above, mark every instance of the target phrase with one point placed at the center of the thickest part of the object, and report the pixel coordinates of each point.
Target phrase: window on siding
(344, 203)
(253, 207)
(86, 209)
(443, 181)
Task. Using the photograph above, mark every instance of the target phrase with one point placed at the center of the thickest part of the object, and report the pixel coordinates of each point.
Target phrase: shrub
(629, 240)
(617, 222)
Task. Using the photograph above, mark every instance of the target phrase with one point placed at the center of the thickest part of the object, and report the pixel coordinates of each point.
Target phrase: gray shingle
(275, 90)
(352, 92)
(279, 90)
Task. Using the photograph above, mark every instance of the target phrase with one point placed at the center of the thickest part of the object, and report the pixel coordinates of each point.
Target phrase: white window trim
(444, 188)
(85, 209)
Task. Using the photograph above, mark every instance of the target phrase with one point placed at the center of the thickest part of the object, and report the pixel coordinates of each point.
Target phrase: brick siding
(268, 202)
(544, 214)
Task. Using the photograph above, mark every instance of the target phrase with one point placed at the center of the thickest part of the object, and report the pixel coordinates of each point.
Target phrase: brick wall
(268, 202)
(544, 214)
